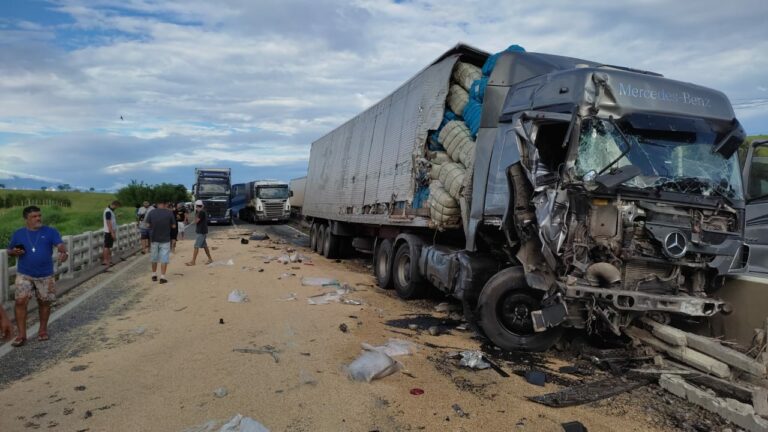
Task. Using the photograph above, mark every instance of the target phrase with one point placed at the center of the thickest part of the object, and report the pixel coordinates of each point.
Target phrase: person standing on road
(33, 246)
(175, 229)
(110, 232)
(201, 232)
(160, 222)
(141, 214)
(181, 219)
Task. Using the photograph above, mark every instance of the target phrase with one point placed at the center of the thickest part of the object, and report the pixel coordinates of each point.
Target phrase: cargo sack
(438, 157)
(465, 74)
(458, 142)
(457, 99)
(477, 91)
(452, 178)
(443, 210)
(473, 113)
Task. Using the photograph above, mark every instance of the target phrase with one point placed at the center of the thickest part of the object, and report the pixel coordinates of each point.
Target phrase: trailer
(297, 186)
(544, 192)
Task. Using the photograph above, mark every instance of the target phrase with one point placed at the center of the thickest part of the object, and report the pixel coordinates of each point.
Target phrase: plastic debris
(240, 423)
(284, 259)
(352, 302)
(331, 297)
(139, 330)
(372, 365)
(286, 275)
(221, 392)
(473, 360)
(318, 281)
(460, 412)
(573, 426)
(258, 236)
(536, 377)
(266, 349)
(290, 297)
(393, 348)
(416, 391)
(229, 262)
(237, 296)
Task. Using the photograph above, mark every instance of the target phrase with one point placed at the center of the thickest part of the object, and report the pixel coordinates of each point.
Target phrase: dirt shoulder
(157, 363)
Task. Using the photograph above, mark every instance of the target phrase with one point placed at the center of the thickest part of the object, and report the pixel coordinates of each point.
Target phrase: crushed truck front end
(625, 199)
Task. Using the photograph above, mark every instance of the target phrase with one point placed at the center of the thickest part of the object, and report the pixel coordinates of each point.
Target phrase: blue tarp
(477, 90)
(472, 115)
(420, 197)
(491, 62)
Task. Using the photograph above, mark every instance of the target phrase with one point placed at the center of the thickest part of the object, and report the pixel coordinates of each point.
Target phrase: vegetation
(137, 192)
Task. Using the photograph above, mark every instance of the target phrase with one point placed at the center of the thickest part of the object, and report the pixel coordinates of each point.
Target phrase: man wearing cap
(142, 213)
(201, 231)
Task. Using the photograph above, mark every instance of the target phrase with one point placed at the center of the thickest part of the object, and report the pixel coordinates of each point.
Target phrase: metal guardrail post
(5, 284)
(70, 274)
(89, 257)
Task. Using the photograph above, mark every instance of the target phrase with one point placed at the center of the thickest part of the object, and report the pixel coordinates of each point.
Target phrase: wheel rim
(404, 270)
(514, 313)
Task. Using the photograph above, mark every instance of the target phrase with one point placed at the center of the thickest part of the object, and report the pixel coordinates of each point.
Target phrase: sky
(97, 93)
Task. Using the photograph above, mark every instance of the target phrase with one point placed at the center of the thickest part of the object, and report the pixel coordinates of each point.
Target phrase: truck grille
(274, 209)
(216, 209)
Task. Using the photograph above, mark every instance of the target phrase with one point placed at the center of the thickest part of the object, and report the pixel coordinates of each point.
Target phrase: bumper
(264, 217)
(644, 302)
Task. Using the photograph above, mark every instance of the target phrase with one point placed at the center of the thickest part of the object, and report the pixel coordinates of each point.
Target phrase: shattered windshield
(280, 192)
(668, 160)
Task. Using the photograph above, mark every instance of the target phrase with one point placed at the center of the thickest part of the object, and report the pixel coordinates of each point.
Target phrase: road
(138, 356)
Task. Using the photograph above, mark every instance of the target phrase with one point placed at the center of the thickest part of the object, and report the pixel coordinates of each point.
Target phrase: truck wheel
(382, 263)
(405, 273)
(320, 239)
(505, 307)
(313, 237)
(330, 245)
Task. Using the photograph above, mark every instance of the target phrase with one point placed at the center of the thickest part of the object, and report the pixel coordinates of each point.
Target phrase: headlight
(259, 206)
(287, 206)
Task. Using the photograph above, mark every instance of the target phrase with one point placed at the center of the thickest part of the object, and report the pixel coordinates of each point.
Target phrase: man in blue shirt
(33, 247)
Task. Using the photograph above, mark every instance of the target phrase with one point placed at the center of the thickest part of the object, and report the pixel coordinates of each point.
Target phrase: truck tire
(504, 309)
(331, 243)
(313, 237)
(405, 273)
(382, 263)
(320, 239)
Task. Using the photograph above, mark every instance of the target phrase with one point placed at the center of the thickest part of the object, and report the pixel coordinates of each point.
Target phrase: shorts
(160, 252)
(44, 287)
(180, 226)
(200, 241)
(144, 234)
(108, 240)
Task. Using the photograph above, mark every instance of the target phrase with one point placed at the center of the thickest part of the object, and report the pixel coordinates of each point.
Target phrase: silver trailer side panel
(297, 186)
(367, 164)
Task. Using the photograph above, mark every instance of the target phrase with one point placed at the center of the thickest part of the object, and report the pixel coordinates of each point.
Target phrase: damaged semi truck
(542, 191)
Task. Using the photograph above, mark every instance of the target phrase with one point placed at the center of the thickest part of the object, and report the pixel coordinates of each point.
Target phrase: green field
(83, 215)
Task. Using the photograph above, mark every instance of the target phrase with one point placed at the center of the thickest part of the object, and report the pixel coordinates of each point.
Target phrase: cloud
(252, 84)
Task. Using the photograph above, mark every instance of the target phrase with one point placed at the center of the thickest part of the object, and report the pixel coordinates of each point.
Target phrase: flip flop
(19, 341)
(42, 337)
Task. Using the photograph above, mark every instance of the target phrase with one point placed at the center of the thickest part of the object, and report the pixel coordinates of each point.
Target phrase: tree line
(137, 192)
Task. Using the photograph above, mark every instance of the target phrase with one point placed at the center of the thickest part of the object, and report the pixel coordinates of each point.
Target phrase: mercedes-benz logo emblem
(675, 244)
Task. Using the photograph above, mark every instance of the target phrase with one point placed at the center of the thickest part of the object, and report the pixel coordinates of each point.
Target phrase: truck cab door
(756, 220)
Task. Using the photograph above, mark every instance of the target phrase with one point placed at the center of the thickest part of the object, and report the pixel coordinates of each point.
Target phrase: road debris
(473, 360)
(573, 426)
(243, 241)
(289, 297)
(229, 262)
(240, 423)
(220, 392)
(416, 391)
(266, 349)
(371, 365)
(536, 377)
(258, 236)
(237, 296)
(588, 392)
(393, 347)
(343, 328)
(459, 412)
(319, 281)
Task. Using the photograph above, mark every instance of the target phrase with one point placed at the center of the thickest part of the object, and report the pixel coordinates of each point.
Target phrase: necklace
(34, 245)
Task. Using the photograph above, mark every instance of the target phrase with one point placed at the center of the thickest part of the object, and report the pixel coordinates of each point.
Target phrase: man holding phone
(33, 247)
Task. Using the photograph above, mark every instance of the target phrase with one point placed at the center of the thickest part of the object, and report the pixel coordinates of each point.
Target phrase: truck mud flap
(589, 392)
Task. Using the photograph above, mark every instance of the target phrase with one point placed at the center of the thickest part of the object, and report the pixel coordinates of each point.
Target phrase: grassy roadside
(83, 215)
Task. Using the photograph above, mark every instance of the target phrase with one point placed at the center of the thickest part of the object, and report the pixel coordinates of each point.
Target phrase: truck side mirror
(731, 142)
(290, 193)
